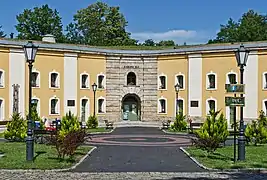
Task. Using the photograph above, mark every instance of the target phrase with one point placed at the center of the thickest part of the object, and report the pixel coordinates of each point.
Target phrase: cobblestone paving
(42, 175)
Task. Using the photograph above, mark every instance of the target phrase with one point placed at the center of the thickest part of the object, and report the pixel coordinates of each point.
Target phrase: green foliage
(250, 27)
(35, 117)
(92, 122)
(16, 128)
(213, 132)
(179, 123)
(34, 24)
(149, 42)
(2, 34)
(99, 25)
(69, 123)
(256, 132)
(166, 43)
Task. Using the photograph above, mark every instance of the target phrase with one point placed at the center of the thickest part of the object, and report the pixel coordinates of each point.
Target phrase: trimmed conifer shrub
(16, 128)
(212, 133)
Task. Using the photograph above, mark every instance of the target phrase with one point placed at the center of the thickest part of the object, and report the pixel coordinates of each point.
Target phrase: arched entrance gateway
(131, 107)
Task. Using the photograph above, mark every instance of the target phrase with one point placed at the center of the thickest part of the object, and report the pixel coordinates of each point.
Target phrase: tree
(166, 43)
(250, 27)
(2, 34)
(149, 42)
(99, 25)
(212, 133)
(34, 24)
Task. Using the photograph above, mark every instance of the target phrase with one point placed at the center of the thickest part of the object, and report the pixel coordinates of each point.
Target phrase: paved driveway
(130, 150)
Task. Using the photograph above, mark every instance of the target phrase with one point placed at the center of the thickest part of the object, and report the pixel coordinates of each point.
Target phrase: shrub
(179, 123)
(16, 128)
(69, 123)
(256, 132)
(35, 117)
(212, 133)
(92, 122)
(67, 145)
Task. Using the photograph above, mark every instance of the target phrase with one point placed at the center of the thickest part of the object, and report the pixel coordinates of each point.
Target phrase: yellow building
(132, 84)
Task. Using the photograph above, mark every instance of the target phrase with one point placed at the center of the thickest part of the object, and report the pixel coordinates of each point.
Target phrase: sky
(190, 21)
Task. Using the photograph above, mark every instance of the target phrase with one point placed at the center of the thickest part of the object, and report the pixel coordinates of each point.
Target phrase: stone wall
(145, 69)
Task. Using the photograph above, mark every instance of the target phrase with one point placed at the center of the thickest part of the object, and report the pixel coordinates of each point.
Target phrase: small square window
(194, 103)
(71, 102)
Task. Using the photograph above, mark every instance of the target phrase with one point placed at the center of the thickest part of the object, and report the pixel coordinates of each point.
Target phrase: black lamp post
(30, 51)
(177, 88)
(241, 57)
(94, 86)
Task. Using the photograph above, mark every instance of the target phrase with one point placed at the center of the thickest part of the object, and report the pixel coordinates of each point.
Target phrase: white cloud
(179, 36)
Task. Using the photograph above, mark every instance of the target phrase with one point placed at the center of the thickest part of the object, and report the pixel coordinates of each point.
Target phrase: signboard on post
(235, 88)
(235, 101)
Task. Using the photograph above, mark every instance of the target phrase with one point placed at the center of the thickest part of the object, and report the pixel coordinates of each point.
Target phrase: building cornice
(67, 48)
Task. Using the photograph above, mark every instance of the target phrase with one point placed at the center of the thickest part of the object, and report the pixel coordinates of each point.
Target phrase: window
(193, 103)
(2, 78)
(264, 106)
(54, 106)
(162, 82)
(264, 82)
(36, 104)
(71, 103)
(100, 81)
(162, 106)
(180, 106)
(2, 109)
(180, 81)
(101, 105)
(232, 78)
(35, 79)
(211, 84)
(211, 105)
(85, 81)
(54, 80)
(84, 109)
(131, 78)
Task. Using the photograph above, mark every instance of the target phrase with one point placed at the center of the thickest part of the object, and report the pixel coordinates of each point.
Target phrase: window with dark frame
(162, 82)
(101, 82)
(211, 105)
(265, 81)
(84, 81)
(54, 106)
(193, 103)
(71, 103)
(162, 106)
(180, 80)
(54, 77)
(1, 79)
(100, 105)
(35, 79)
(131, 79)
(232, 78)
(211, 78)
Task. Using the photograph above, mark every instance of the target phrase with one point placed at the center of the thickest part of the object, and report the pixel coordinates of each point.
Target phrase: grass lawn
(223, 157)
(45, 157)
(99, 129)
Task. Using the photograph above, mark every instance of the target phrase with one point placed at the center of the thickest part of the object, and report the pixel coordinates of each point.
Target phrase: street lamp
(94, 86)
(177, 88)
(241, 58)
(30, 51)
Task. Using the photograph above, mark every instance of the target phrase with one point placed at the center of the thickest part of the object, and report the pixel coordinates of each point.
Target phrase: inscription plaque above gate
(131, 67)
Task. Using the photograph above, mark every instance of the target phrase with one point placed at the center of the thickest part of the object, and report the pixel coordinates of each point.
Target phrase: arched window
(131, 78)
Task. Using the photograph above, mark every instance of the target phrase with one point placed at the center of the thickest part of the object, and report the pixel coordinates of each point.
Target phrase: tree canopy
(34, 24)
(250, 27)
(2, 34)
(99, 25)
